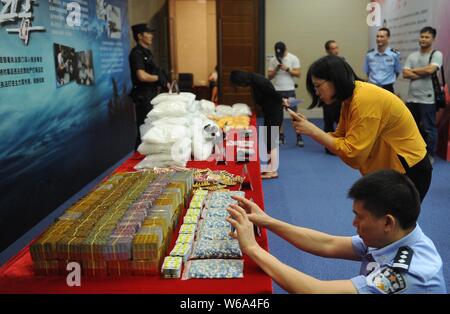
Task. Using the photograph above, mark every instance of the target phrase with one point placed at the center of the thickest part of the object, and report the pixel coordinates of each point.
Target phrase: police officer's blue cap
(142, 28)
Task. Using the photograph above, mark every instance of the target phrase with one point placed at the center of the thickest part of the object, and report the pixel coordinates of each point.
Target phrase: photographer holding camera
(283, 68)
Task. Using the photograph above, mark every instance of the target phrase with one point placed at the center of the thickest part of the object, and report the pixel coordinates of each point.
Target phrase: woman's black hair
(335, 70)
(240, 78)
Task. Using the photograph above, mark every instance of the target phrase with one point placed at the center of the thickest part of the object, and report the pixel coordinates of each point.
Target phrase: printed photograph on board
(64, 64)
(114, 22)
(84, 71)
(101, 9)
(112, 16)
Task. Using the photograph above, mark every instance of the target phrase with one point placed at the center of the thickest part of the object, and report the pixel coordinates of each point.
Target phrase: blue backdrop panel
(64, 111)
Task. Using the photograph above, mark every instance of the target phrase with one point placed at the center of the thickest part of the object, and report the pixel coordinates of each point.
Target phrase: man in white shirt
(283, 68)
(419, 67)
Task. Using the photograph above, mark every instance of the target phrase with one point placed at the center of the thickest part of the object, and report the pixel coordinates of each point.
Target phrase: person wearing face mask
(382, 65)
(375, 131)
(396, 256)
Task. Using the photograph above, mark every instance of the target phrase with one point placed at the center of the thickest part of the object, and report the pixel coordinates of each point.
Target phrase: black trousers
(389, 87)
(420, 174)
(288, 94)
(142, 107)
(331, 114)
(425, 117)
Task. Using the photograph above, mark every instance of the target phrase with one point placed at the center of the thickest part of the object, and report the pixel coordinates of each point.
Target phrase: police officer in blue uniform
(409, 265)
(146, 76)
(382, 65)
(396, 256)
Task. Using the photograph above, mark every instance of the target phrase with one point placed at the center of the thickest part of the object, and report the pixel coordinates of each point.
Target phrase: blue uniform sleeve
(398, 65)
(366, 65)
(358, 246)
(360, 284)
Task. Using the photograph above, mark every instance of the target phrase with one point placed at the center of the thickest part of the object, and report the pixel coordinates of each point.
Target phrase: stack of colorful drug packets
(183, 246)
(104, 228)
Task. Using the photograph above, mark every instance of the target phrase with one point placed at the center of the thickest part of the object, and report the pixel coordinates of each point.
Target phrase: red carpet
(17, 275)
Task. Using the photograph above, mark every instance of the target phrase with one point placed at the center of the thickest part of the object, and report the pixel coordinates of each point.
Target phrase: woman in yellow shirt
(375, 131)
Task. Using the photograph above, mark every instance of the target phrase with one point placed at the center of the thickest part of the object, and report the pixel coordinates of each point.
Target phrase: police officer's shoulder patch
(371, 50)
(387, 280)
(403, 258)
(395, 50)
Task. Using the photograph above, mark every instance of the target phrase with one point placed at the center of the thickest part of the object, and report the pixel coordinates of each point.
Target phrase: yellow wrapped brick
(146, 268)
(119, 268)
(147, 247)
(45, 245)
(157, 221)
(69, 248)
(46, 268)
(94, 248)
(93, 268)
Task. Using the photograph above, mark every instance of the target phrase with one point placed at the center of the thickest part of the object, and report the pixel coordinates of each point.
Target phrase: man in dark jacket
(145, 74)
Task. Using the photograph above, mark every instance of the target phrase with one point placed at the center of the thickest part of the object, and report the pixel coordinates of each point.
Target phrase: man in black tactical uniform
(145, 74)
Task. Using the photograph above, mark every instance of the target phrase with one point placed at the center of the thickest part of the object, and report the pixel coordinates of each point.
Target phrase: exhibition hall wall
(64, 111)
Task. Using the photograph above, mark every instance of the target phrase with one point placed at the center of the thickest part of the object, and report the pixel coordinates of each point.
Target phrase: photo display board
(64, 109)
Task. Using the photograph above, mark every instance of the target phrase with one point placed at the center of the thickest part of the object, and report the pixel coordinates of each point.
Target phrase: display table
(17, 276)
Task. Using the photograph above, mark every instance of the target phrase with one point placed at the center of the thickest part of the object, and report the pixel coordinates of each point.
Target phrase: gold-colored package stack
(119, 268)
(147, 244)
(230, 122)
(69, 248)
(98, 246)
(94, 268)
(64, 239)
(173, 208)
(121, 228)
(177, 194)
(153, 235)
(46, 267)
(145, 267)
(187, 180)
(181, 186)
(178, 208)
(44, 248)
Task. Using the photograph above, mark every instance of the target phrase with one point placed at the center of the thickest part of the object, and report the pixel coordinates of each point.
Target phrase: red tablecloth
(17, 275)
